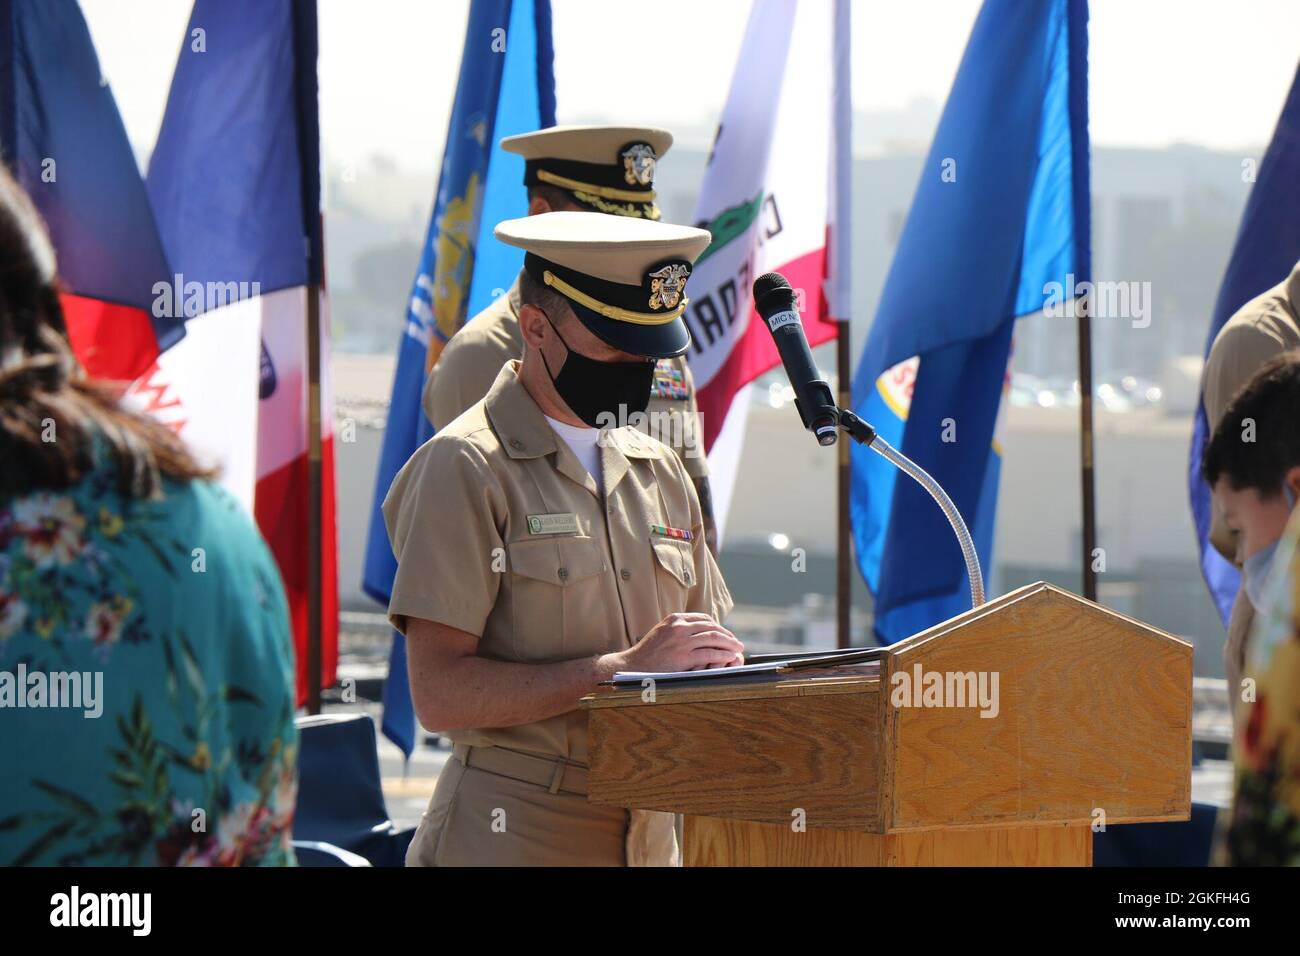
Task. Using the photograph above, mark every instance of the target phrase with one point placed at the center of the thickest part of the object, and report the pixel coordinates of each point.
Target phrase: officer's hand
(685, 641)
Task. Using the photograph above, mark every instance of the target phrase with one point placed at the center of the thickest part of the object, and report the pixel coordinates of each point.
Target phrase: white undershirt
(585, 444)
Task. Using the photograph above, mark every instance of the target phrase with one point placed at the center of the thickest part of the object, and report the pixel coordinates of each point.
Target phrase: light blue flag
(499, 92)
(1000, 214)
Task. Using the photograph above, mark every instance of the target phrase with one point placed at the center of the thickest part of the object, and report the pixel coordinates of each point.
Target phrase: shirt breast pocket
(556, 598)
(674, 573)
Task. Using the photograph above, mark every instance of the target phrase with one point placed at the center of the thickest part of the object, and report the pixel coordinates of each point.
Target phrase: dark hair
(44, 391)
(1269, 405)
(558, 199)
(532, 292)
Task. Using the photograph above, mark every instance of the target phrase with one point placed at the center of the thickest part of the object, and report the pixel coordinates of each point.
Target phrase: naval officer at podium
(538, 552)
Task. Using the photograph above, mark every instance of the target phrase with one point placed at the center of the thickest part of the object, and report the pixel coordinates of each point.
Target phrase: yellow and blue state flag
(506, 86)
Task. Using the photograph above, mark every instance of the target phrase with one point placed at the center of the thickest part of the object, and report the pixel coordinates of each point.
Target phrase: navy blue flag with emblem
(506, 86)
(1266, 250)
(999, 219)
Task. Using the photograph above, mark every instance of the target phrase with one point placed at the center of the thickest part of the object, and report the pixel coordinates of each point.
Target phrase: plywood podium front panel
(711, 841)
(758, 752)
(1094, 720)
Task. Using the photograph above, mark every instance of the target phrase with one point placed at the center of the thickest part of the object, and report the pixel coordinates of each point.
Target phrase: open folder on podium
(754, 665)
(900, 761)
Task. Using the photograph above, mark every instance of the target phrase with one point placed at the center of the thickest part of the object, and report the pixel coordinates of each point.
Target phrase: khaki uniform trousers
(498, 807)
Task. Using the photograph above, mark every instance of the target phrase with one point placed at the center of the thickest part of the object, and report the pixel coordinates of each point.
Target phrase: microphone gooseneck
(862, 432)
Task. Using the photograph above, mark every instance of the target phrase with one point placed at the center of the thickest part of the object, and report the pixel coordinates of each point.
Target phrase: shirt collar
(515, 417)
(513, 300)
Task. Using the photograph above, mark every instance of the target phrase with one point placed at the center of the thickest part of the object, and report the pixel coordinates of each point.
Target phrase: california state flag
(766, 198)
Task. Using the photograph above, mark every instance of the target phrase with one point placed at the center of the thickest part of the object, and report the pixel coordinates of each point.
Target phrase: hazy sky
(1213, 72)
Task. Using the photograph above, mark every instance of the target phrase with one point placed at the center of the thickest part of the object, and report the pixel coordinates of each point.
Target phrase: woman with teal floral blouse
(146, 670)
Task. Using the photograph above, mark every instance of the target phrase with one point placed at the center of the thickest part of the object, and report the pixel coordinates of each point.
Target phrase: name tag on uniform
(560, 523)
(663, 531)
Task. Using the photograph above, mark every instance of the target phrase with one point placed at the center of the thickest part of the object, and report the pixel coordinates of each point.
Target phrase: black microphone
(774, 300)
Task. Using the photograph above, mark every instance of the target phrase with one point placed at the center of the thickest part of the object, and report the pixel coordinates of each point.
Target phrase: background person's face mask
(1257, 568)
(601, 393)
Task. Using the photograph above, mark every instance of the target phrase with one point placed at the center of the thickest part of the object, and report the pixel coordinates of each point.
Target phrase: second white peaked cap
(609, 169)
(625, 278)
(586, 144)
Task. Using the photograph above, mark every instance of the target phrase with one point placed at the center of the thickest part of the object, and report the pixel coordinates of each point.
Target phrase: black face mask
(602, 394)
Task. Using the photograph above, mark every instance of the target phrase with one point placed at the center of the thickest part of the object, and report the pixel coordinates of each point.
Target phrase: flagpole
(1081, 174)
(841, 287)
(1083, 308)
(843, 555)
(314, 499)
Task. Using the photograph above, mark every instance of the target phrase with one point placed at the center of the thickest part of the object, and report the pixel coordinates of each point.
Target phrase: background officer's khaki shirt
(1263, 328)
(471, 360)
(468, 556)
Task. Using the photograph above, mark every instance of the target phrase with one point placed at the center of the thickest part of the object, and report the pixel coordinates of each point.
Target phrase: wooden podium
(871, 765)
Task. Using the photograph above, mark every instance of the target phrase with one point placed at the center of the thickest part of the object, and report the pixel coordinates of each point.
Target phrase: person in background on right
(1260, 330)
(1252, 463)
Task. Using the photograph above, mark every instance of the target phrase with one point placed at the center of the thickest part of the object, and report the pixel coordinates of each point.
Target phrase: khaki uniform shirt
(471, 360)
(499, 531)
(1263, 328)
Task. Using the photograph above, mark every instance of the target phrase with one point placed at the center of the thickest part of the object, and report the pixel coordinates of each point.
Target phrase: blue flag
(63, 140)
(1266, 250)
(1001, 213)
(234, 178)
(506, 86)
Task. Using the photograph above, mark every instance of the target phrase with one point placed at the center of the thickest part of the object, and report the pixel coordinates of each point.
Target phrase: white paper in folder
(637, 677)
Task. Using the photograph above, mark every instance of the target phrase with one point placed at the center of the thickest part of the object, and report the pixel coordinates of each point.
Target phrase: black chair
(1183, 843)
(324, 854)
(340, 797)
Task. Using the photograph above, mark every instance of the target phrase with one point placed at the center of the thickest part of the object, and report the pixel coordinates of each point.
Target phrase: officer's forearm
(479, 692)
(453, 688)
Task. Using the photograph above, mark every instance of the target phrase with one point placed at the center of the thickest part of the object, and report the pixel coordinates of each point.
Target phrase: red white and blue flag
(191, 291)
(234, 182)
(64, 142)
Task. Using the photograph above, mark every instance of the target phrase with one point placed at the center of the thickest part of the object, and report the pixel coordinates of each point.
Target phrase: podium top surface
(848, 679)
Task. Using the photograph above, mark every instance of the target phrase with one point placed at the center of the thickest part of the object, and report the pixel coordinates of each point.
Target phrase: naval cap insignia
(639, 164)
(667, 285)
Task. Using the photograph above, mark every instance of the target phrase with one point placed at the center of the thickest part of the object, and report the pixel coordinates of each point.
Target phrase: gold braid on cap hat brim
(629, 210)
(605, 192)
(612, 311)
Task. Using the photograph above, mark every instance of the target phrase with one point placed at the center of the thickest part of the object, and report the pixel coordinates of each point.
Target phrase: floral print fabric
(1265, 824)
(146, 681)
